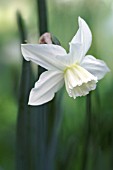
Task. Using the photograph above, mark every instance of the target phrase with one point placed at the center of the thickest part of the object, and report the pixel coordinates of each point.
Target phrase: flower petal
(81, 42)
(95, 66)
(76, 53)
(44, 55)
(46, 87)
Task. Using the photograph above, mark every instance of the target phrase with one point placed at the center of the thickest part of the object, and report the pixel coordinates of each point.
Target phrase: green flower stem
(86, 133)
(42, 111)
(49, 113)
(23, 161)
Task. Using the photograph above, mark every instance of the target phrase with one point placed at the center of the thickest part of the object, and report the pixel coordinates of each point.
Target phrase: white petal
(46, 87)
(81, 42)
(76, 53)
(95, 66)
(44, 55)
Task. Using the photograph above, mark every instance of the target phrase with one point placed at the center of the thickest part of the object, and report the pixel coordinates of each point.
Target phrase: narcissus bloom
(78, 72)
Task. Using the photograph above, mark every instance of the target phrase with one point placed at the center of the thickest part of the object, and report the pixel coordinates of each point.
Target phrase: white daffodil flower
(80, 73)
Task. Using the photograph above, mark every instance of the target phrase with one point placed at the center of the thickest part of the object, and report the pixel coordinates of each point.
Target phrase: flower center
(77, 78)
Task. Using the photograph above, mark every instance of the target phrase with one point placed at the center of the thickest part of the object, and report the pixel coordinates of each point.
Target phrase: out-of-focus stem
(42, 111)
(86, 133)
(23, 161)
(42, 13)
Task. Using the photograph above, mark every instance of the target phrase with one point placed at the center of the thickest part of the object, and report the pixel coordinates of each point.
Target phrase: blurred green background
(62, 22)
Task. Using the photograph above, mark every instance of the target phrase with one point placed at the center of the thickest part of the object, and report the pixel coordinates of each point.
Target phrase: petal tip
(79, 18)
(32, 104)
(29, 104)
(24, 52)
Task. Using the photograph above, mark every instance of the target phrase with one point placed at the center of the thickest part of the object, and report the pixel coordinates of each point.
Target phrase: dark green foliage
(23, 151)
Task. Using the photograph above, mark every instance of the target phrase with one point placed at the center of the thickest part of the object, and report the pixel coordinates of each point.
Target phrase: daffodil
(78, 71)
